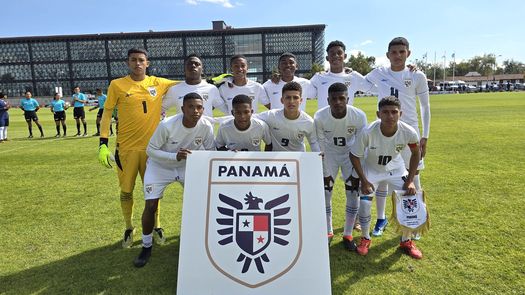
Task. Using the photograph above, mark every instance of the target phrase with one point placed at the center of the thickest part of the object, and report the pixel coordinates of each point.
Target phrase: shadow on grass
(106, 270)
(348, 268)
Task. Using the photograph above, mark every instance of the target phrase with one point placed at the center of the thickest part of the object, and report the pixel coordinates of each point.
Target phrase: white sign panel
(253, 223)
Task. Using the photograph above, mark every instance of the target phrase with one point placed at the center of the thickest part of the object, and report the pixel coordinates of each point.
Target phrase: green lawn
(61, 224)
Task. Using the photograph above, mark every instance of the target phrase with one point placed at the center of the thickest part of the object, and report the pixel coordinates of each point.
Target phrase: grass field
(61, 225)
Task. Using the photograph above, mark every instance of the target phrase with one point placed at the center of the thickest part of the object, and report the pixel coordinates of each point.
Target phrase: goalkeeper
(138, 98)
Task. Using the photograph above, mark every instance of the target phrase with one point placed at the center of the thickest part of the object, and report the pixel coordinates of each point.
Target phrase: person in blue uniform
(4, 117)
(79, 100)
(58, 108)
(100, 106)
(30, 106)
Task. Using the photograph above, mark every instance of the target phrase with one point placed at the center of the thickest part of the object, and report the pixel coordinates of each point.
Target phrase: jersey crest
(256, 141)
(198, 140)
(152, 91)
(205, 96)
(399, 147)
(408, 83)
(351, 130)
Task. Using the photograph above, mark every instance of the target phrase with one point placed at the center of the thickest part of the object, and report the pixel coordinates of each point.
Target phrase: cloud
(382, 60)
(366, 42)
(223, 3)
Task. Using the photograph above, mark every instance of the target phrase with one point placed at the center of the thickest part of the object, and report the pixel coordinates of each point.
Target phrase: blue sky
(467, 28)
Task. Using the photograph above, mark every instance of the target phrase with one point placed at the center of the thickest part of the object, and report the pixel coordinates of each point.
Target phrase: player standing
(30, 106)
(337, 127)
(242, 85)
(79, 100)
(400, 81)
(321, 81)
(4, 117)
(138, 98)
(380, 146)
(193, 82)
(168, 149)
(59, 113)
(242, 132)
(287, 66)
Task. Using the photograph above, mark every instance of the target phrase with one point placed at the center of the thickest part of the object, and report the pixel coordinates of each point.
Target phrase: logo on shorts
(148, 188)
(152, 91)
(408, 82)
(399, 147)
(351, 129)
(256, 141)
(198, 141)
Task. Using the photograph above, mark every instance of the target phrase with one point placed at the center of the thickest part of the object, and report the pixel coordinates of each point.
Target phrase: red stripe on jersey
(412, 145)
(260, 223)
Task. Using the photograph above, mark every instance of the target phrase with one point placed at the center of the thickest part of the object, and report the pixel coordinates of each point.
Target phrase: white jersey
(336, 136)
(383, 154)
(275, 92)
(209, 93)
(247, 140)
(170, 136)
(354, 81)
(406, 86)
(288, 135)
(252, 89)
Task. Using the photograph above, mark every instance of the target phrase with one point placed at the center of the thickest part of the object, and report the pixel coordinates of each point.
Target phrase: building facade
(90, 61)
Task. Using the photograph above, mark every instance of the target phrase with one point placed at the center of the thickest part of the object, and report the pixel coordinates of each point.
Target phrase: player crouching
(380, 145)
(168, 148)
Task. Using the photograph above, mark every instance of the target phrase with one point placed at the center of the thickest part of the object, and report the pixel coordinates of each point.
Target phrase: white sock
(352, 206)
(5, 132)
(2, 133)
(147, 240)
(328, 205)
(365, 204)
(405, 238)
(381, 203)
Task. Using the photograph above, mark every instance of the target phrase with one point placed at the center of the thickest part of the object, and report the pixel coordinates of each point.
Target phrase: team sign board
(253, 223)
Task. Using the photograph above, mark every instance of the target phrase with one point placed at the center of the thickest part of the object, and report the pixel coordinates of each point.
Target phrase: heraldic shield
(253, 230)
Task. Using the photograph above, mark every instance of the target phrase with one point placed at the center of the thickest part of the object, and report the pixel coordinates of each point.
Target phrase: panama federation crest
(408, 83)
(253, 229)
(399, 147)
(152, 91)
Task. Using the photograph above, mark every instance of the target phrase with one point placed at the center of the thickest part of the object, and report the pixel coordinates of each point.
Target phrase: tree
(316, 68)
(361, 63)
(513, 67)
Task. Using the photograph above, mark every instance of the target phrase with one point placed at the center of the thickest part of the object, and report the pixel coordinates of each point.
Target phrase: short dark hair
(190, 56)
(236, 57)
(56, 93)
(398, 41)
(389, 101)
(337, 87)
(138, 50)
(240, 99)
(2, 95)
(76, 86)
(287, 54)
(293, 86)
(28, 90)
(191, 95)
(334, 44)
(98, 89)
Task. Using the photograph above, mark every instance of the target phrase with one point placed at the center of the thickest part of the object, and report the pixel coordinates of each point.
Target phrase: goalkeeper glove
(104, 155)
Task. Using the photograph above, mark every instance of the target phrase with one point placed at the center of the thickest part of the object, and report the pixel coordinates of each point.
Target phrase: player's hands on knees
(182, 154)
(366, 187)
(410, 188)
(104, 156)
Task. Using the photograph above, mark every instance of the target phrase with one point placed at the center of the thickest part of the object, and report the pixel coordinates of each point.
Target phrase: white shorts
(158, 177)
(395, 179)
(332, 163)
